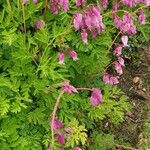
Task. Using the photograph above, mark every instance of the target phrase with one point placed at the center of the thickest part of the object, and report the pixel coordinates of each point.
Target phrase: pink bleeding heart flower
(118, 50)
(115, 6)
(68, 129)
(147, 2)
(35, 1)
(118, 68)
(53, 7)
(68, 88)
(60, 138)
(77, 21)
(142, 17)
(61, 57)
(73, 55)
(104, 3)
(57, 124)
(84, 37)
(106, 78)
(96, 97)
(79, 2)
(121, 61)
(39, 24)
(64, 4)
(77, 148)
(24, 2)
(124, 39)
(113, 80)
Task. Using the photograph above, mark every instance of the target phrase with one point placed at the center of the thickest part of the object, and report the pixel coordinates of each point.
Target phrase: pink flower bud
(124, 39)
(147, 2)
(39, 24)
(73, 55)
(113, 80)
(68, 130)
(57, 124)
(77, 21)
(68, 88)
(96, 97)
(104, 3)
(35, 1)
(106, 78)
(84, 37)
(118, 68)
(61, 57)
(142, 17)
(64, 4)
(60, 138)
(77, 148)
(24, 2)
(79, 2)
(118, 50)
(121, 61)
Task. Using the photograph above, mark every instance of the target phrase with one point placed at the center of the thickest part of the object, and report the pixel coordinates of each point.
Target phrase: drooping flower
(24, 2)
(35, 1)
(68, 129)
(118, 68)
(89, 21)
(124, 39)
(126, 25)
(77, 21)
(130, 3)
(96, 97)
(57, 124)
(64, 4)
(53, 6)
(60, 138)
(61, 57)
(115, 6)
(121, 61)
(68, 88)
(39, 24)
(106, 78)
(84, 37)
(147, 2)
(118, 50)
(104, 3)
(77, 148)
(73, 55)
(113, 80)
(79, 2)
(142, 17)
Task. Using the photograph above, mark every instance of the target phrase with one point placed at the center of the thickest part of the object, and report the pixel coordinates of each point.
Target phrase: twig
(53, 118)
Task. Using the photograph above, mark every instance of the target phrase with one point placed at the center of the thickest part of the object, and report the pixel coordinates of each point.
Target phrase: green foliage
(30, 79)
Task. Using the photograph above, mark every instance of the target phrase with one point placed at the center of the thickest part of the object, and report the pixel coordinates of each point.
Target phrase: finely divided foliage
(59, 63)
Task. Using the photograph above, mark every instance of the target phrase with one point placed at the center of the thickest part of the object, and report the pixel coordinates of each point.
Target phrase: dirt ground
(136, 84)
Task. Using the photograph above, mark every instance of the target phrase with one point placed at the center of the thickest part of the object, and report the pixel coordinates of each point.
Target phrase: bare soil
(136, 84)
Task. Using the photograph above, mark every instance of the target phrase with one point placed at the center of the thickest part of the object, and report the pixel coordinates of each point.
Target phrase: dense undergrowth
(42, 50)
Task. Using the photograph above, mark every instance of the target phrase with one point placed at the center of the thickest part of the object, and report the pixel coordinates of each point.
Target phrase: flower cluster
(26, 1)
(118, 64)
(55, 4)
(71, 53)
(89, 21)
(125, 25)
